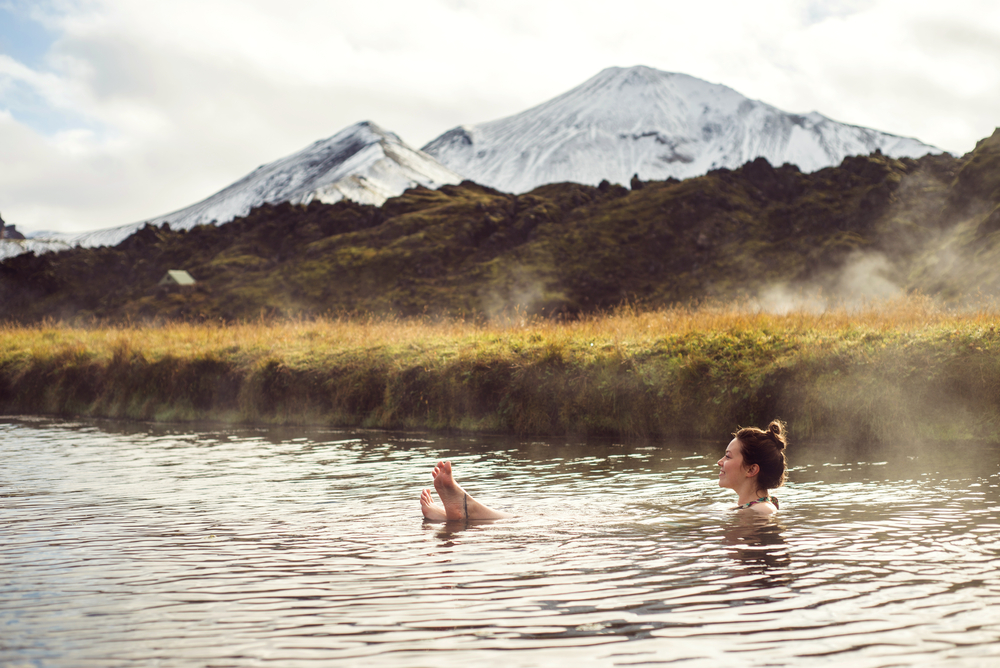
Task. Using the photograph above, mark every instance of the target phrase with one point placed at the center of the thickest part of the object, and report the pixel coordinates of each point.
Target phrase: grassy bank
(892, 371)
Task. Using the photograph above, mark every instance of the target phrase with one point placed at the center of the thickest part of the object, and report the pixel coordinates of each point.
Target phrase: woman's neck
(750, 493)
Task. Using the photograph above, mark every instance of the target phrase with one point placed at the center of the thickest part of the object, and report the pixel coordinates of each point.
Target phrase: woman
(754, 464)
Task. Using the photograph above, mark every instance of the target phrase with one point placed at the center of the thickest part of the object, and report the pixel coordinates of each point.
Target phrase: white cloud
(893, 66)
(162, 102)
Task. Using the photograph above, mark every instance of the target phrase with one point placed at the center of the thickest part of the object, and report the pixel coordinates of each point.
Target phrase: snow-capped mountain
(623, 121)
(363, 163)
(656, 124)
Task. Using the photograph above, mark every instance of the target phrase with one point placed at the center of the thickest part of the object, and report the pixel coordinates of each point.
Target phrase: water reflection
(447, 533)
(758, 544)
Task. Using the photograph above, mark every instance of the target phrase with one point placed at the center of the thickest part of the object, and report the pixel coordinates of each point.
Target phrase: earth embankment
(888, 372)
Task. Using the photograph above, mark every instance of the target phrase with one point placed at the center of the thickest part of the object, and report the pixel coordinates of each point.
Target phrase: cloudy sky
(112, 111)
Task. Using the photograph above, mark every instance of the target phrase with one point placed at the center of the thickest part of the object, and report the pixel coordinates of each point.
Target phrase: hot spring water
(150, 545)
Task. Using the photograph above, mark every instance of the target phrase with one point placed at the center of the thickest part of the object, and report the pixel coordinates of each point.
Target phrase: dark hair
(766, 449)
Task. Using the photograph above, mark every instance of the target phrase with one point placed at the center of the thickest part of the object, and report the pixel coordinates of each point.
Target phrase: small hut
(176, 277)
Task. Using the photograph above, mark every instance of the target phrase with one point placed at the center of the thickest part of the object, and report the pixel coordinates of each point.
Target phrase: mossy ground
(887, 372)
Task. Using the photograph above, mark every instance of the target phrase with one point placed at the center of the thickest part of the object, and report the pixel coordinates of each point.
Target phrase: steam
(520, 294)
(865, 277)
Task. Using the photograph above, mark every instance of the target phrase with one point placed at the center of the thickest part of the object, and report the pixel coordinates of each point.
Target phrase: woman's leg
(458, 504)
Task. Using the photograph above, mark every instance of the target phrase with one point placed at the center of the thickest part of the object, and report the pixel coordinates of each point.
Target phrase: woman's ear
(752, 470)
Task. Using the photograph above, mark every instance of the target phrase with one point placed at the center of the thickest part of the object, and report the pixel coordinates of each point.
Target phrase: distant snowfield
(623, 121)
(639, 120)
(12, 247)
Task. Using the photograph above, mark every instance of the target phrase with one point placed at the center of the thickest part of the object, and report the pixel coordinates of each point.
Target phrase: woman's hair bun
(777, 430)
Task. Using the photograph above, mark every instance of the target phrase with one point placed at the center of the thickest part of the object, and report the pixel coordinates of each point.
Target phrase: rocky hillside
(873, 225)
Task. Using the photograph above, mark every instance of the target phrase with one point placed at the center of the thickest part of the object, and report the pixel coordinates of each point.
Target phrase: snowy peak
(363, 163)
(657, 124)
(636, 98)
(349, 164)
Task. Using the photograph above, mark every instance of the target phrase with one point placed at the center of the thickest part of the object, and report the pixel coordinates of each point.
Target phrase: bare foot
(458, 504)
(431, 510)
(453, 497)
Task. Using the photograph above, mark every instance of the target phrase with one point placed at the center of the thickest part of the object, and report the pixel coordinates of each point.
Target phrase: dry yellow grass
(866, 372)
(626, 327)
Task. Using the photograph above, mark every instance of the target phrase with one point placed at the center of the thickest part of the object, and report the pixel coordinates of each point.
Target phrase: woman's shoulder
(763, 508)
(767, 505)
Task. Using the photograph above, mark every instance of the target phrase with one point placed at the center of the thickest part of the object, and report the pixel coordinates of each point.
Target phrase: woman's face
(731, 470)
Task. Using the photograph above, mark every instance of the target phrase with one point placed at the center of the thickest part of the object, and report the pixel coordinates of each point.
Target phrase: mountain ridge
(363, 162)
(655, 124)
(621, 122)
(871, 227)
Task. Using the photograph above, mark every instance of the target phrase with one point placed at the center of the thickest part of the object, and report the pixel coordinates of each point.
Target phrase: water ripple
(137, 545)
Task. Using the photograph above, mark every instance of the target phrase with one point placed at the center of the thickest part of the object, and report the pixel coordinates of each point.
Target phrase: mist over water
(176, 546)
